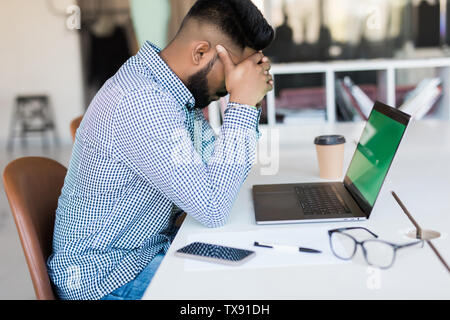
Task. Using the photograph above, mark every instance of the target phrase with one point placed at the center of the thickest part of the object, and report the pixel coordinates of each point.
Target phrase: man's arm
(205, 135)
(151, 138)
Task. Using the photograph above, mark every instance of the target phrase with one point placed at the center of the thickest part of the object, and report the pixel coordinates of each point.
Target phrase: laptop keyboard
(321, 199)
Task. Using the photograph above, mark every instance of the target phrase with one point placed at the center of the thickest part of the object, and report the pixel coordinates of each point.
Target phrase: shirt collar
(165, 76)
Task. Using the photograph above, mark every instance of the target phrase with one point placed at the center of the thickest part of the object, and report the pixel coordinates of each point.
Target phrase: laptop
(352, 199)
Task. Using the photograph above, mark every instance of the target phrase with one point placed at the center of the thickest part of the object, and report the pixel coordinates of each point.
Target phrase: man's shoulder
(134, 80)
(150, 95)
(148, 100)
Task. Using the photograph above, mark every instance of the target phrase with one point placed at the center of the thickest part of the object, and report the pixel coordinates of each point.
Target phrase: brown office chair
(74, 126)
(33, 185)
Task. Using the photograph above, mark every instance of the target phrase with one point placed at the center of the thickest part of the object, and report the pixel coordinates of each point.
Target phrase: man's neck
(170, 55)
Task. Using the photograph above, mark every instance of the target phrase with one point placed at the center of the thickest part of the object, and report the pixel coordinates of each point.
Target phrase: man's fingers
(265, 59)
(266, 66)
(256, 57)
(225, 58)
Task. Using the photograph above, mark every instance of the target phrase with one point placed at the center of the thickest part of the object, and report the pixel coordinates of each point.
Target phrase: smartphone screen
(213, 252)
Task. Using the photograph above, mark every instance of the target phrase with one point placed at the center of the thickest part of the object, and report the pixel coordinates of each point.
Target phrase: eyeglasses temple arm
(409, 244)
(353, 228)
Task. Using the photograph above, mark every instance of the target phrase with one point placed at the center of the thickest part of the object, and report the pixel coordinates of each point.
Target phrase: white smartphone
(215, 253)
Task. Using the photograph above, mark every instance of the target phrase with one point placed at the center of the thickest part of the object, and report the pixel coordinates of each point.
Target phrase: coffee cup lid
(329, 140)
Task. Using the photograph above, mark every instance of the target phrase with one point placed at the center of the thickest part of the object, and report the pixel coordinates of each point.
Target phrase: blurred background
(64, 50)
(56, 54)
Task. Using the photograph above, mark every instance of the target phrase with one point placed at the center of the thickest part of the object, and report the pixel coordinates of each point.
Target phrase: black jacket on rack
(107, 54)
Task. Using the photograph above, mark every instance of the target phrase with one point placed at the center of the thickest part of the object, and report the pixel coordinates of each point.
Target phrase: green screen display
(374, 154)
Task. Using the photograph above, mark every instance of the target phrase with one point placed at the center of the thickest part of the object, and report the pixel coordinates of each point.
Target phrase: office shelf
(386, 73)
(386, 70)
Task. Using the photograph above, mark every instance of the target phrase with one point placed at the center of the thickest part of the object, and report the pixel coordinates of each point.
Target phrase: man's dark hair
(241, 20)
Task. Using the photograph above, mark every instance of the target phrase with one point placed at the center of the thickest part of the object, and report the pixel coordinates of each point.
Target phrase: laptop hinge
(356, 201)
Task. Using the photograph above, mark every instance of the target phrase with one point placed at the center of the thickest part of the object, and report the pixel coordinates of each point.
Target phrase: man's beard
(198, 85)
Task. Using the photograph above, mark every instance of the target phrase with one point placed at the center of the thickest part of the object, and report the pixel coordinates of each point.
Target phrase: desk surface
(420, 175)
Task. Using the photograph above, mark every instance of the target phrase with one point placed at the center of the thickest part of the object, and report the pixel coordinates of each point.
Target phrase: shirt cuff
(242, 116)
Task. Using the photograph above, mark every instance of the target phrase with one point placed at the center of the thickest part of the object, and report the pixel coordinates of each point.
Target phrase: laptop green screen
(374, 154)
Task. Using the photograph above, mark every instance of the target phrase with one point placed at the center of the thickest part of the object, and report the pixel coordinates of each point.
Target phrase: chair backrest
(33, 186)
(74, 126)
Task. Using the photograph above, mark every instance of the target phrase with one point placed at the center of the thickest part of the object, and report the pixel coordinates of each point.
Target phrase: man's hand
(249, 81)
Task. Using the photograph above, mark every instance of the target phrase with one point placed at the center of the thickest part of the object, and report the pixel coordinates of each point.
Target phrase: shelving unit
(385, 68)
(386, 71)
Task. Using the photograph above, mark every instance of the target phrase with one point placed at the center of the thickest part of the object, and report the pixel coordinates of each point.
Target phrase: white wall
(150, 19)
(39, 54)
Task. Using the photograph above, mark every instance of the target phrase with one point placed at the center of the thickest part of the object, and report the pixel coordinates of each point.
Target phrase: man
(144, 152)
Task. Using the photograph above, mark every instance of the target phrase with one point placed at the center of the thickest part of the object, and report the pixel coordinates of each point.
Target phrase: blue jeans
(134, 290)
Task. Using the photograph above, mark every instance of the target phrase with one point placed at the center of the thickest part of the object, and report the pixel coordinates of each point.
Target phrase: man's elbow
(216, 218)
(215, 223)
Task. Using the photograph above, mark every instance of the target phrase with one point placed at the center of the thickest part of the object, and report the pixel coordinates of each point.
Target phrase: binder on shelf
(345, 104)
(362, 102)
(418, 102)
(421, 100)
(353, 102)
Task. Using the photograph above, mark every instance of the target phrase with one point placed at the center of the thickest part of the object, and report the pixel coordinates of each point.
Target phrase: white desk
(420, 175)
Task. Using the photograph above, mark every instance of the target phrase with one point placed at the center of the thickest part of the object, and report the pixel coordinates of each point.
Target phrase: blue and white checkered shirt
(142, 156)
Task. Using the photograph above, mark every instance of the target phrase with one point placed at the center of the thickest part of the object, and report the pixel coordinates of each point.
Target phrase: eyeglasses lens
(379, 253)
(342, 245)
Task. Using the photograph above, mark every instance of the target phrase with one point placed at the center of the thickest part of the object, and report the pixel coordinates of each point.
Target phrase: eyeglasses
(378, 253)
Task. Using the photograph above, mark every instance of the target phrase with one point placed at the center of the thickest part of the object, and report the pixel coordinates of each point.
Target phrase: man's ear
(199, 50)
